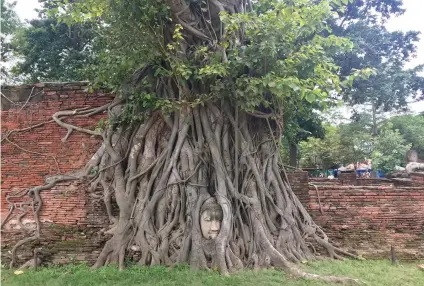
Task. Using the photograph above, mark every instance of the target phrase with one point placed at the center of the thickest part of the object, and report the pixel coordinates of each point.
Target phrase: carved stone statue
(210, 218)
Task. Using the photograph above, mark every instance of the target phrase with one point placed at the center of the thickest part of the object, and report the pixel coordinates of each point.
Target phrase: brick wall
(70, 217)
(418, 177)
(299, 182)
(368, 219)
(71, 226)
(22, 169)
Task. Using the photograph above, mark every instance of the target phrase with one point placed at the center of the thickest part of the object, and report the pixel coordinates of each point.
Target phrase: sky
(412, 19)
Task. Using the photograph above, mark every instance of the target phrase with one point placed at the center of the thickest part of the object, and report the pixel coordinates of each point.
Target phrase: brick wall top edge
(15, 96)
(46, 84)
(418, 174)
(367, 188)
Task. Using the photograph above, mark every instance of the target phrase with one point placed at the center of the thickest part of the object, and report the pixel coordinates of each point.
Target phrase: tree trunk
(374, 119)
(293, 154)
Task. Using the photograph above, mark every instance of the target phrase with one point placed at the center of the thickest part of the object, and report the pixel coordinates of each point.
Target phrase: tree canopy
(387, 53)
(53, 51)
(411, 127)
(352, 142)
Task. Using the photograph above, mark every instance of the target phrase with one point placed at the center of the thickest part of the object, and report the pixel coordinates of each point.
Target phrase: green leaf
(293, 86)
(310, 97)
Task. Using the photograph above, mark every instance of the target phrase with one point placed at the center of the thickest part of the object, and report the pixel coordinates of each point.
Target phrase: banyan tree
(191, 145)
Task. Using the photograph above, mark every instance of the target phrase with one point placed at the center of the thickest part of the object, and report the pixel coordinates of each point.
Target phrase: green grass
(374, 273)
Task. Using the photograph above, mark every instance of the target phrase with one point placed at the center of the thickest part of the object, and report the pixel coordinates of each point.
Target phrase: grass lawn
(373, 273)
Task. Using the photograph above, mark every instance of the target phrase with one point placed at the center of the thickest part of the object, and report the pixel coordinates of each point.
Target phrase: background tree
(385, 52)
(352, 142)
(53, 51)
(411, 127)
(9, 24)
(200, 116)
(301, 121)
(342, 145)
(389, 150)
(322, 153)
(356, 140)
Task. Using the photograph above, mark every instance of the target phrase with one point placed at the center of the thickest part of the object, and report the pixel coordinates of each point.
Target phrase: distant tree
(324, 152)
(9, 24)
(389, 149)
(343, 144)
(386, 52)
(300, 123)
(53, 51)
(411, 127)
(371, 11)
(356, 142)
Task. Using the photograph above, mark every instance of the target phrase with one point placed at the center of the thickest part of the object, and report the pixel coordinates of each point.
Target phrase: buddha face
(210, 218)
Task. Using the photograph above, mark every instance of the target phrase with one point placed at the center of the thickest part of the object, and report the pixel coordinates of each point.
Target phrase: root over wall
(366, 219)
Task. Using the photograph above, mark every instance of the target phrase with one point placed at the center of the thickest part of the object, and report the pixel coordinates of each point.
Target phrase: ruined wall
(418, 178)
(71, 218)
(368, 219)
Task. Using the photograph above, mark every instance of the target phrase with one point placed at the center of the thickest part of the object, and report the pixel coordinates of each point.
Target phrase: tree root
(37, 204)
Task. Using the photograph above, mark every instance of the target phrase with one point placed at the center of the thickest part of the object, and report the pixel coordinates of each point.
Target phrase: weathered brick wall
(21, 169)
(369, 219)
(417, 177)
(71, 223)
(299, 182)
(70, 217)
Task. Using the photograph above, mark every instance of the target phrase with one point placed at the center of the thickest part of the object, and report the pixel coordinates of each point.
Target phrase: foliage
(372, 272)
(322, 153)
(352, 142)
(302, 121)
(389, 149)
(411, 127)
(373, 11)
(295, 66)
(9, 24)
(387, 53)
(356, 140)
(53, 51)
(344, 144)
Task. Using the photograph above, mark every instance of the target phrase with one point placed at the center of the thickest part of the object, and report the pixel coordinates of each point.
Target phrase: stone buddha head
(210, 218)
